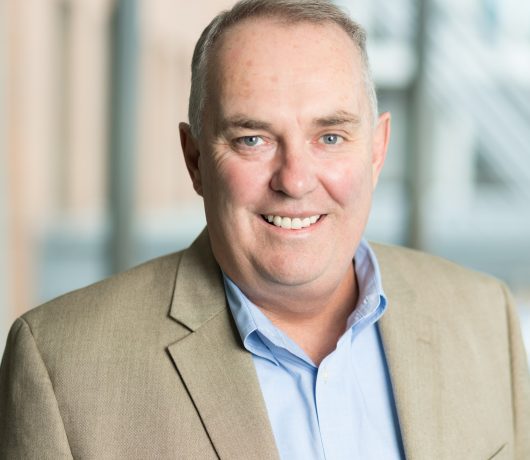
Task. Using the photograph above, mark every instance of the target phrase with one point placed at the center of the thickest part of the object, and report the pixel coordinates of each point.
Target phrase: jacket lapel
(409, 336)
(217, 371)
(438, 358)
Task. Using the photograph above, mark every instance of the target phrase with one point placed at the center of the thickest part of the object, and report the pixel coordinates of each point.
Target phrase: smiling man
(280, 332)
(287, 167)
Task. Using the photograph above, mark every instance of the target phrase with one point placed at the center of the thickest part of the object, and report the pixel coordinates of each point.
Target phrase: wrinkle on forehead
(267, 37)
(263, 58)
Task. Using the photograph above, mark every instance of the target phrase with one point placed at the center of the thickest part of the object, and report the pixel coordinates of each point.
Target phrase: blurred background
(92, 179)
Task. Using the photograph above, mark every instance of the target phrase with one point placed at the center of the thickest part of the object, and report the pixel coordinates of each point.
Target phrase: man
(271, 336)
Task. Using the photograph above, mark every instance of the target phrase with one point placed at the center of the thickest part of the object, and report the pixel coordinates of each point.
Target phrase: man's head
(288, 154)
(285, 11)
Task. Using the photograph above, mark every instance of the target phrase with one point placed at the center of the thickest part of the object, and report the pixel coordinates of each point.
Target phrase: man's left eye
(331, 139)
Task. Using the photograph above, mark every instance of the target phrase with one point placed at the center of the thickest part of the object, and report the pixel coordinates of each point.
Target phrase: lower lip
(291, 231)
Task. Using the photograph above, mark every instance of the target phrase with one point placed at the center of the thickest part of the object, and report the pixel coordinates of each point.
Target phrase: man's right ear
(191, 155)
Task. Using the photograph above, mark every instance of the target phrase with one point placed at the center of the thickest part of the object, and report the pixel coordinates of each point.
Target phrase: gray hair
(287, 11)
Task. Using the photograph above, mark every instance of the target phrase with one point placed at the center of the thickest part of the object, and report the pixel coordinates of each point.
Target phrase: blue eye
(331, 139)
(250, 141)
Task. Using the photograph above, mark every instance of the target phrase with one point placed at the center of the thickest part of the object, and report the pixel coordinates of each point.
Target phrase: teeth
(286, 222)
(294, 223)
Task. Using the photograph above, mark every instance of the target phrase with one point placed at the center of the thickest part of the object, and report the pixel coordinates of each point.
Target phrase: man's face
(288, 137)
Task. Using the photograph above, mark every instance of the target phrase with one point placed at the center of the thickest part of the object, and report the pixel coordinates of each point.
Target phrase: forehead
(266, 30)
(273, 63)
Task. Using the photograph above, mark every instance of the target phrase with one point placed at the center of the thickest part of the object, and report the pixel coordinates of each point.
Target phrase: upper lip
(300, 215)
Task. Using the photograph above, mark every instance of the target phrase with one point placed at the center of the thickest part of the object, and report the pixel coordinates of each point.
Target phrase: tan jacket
(149, 365)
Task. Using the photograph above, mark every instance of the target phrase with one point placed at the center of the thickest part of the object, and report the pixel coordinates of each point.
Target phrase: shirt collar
(259, 335)
(253, 326)
(371, 303)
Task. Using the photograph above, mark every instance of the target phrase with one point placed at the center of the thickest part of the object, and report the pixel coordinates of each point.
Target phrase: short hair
(287, 11)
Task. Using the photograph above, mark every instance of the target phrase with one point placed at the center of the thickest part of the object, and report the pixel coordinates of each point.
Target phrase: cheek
(234, 183)
(348, 183)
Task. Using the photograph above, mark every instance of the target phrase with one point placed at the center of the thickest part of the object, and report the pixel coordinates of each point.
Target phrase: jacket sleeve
(30, 423)
(520, 383)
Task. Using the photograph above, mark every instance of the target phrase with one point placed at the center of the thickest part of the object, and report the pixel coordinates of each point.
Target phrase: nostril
(295, 177)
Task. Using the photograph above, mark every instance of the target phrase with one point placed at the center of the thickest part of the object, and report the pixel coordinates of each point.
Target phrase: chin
(288, 274)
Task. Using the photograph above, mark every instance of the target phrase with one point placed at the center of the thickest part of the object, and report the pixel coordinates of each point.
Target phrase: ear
(381, 138)
(191, 156)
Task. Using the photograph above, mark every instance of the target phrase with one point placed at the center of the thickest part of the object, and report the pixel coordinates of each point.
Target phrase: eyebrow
(240, 121)
(342, 117)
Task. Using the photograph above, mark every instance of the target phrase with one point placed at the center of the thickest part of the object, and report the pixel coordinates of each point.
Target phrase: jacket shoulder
(414, 265)
(457, 291)
(130, 294)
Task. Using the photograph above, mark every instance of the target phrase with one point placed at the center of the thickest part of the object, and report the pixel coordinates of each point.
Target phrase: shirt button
(325, 376)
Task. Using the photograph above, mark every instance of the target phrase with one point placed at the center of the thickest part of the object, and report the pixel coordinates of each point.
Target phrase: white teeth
(286, 222)
(294, 223)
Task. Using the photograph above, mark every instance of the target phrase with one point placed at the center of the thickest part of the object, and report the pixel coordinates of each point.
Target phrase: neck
(318, 324)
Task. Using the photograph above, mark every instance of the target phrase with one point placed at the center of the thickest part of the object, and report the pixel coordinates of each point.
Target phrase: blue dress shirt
(342, 409)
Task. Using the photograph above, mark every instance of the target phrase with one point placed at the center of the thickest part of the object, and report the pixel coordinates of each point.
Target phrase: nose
(295, 174)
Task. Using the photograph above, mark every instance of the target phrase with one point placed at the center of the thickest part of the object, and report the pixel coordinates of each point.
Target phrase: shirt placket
(331, 398)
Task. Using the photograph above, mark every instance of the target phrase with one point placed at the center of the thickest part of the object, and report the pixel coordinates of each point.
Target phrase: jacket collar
(429, 338)
(408, 334)
(218, 372)
(199, 294)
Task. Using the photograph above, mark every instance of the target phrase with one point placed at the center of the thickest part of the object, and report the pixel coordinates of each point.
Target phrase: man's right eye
(250, 141)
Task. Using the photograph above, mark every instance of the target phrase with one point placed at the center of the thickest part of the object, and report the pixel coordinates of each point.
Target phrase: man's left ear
(381, 137)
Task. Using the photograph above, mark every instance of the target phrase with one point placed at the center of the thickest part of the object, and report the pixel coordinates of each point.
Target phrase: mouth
(292, 223)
